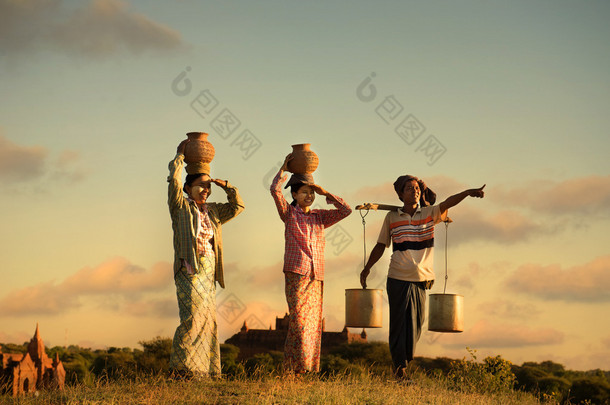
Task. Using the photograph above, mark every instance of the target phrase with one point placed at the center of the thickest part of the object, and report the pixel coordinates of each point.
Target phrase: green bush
(374, 357)
(553, 388)
(590, 391)
(492, 376)
(332, 366)
(230, 365)
(115, 364)
(155, 356)
(264, 364)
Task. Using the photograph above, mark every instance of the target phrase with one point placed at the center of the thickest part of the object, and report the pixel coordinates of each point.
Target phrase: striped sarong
(304, 338)
(196, 349)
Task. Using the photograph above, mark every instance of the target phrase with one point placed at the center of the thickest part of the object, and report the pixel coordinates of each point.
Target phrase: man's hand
(363, 275)
(477, 192)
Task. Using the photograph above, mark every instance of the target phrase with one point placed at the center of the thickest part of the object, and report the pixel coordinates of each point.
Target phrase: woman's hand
(319, 190)
(220, 183)
(182, 146)
(286, 160)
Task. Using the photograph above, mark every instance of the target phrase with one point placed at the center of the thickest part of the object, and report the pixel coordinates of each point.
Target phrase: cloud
(117, 279)
(606, 342)
(19, 163)
(103, 27)
(43, 298)
(505, 309)
(256, 314)
(473, 277)
(504, 227)
(383, 193)
(25, 23)
(585, 283)
(67, 167)
(118, 276)
(590, 194)
(486, 335)
(17, 337)
(270, 277)
(162, 308)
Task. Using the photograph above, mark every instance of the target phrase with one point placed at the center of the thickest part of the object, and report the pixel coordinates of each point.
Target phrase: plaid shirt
(205, 236)
(304, 232)
(186, 221)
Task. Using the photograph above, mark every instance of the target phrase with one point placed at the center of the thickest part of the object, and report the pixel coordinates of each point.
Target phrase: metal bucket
(363, 308)
(446, 313)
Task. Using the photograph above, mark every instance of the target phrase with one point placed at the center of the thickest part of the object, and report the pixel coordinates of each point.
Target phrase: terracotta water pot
(304, 160)
(198, 149)
(198, 153)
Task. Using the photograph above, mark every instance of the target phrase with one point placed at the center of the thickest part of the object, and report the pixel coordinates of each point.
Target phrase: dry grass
(366, 389)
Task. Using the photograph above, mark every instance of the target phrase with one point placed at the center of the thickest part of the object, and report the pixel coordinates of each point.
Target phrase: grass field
(364, 389)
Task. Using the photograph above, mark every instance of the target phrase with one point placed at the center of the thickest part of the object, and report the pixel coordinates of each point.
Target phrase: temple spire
(36, 347)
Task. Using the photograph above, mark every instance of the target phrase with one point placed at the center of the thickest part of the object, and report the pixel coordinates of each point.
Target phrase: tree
(594, 390)
(116, 363)
(155, 356)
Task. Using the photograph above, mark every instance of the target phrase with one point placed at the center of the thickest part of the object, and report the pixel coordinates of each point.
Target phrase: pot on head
(304, 160)
(198, 153)
(363, 308)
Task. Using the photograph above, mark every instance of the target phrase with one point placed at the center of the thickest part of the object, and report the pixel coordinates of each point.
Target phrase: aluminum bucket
(363, 308)
(446, 313)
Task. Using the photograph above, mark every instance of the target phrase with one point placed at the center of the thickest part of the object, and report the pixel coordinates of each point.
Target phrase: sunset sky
(95, 97)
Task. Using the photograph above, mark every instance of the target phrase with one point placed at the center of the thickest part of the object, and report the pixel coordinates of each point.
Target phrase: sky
(95, 97)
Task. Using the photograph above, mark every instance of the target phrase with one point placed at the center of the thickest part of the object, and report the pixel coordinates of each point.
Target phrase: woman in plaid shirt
(198, 266)
(304, 264)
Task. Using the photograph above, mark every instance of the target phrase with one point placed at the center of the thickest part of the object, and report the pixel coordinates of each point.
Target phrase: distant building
(253, 341)
(21, 373)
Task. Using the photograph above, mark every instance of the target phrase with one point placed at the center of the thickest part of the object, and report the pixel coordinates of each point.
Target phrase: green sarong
(195, 349)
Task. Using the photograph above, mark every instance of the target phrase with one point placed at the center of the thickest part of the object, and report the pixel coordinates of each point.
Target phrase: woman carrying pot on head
(304, 264)
(198, 265)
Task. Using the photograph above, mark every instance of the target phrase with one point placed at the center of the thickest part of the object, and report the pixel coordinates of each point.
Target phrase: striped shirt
(304, 232)
(412, 240)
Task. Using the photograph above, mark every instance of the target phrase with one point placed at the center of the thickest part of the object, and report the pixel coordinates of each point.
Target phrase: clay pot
(198, 149)
(304, 160)
(198, 153)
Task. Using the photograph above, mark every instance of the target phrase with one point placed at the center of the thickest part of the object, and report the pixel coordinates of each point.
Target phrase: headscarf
(427, 196)
(299, 178)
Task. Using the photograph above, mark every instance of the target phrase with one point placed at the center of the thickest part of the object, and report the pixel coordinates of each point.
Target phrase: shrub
(492, 376)
(115, 364)
(374, 357)
(332, 365)
(590, 390)
(155, 356)
(230, 366)
(264, 364)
